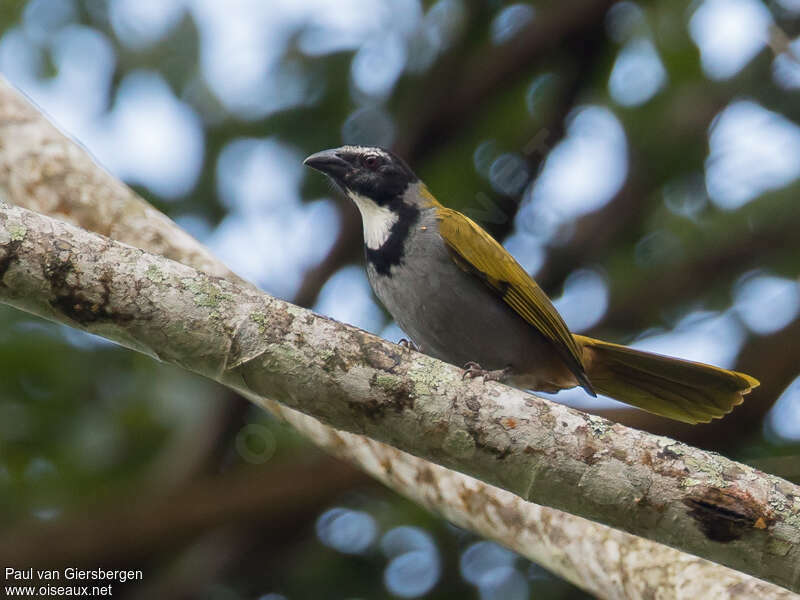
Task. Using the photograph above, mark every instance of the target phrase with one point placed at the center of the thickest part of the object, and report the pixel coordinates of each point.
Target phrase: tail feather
(679, 389)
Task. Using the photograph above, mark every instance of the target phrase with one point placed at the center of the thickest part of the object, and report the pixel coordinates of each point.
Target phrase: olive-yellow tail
(679, 389)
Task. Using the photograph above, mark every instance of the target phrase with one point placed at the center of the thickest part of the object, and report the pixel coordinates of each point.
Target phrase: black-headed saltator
(461, 297)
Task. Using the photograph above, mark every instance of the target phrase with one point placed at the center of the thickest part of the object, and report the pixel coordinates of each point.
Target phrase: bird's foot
(473, 370)
(408, 344)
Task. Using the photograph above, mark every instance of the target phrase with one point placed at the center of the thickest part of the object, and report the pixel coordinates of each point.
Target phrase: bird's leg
(408, 344)
(473, 370)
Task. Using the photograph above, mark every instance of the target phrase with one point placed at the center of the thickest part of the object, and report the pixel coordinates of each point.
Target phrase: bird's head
(365, 173)
(387, 193)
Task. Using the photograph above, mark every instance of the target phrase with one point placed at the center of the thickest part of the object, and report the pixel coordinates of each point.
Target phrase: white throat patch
(377, 220)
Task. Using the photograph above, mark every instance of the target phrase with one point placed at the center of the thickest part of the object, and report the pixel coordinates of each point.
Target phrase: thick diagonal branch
(607, 562)
(538, 450)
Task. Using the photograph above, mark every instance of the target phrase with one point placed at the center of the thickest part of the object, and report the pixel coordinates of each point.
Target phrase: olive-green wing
(478, 253)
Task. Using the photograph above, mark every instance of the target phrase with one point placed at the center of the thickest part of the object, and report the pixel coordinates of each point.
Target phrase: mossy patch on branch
(260, 319)
(459, 444)
(154, 274)
(205, 293)
(16, 231)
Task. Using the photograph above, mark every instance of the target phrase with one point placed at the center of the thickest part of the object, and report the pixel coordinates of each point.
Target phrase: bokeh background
(641, 159)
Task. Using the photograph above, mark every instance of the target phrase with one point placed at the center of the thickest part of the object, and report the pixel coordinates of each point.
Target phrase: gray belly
(452, 315)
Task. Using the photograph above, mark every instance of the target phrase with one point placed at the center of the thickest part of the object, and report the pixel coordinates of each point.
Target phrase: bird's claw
(473, 370)
(407, 344)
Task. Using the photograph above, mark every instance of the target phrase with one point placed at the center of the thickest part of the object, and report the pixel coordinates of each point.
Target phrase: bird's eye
(371, 161)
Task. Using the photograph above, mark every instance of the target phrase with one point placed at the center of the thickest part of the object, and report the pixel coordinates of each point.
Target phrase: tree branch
(265, 348)
(59, 178)
(623, 219)
(453, 99)
(280, 497)
(604, 561)
(634, 309)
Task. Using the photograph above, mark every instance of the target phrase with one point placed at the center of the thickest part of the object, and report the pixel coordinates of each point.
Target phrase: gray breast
(452, 314)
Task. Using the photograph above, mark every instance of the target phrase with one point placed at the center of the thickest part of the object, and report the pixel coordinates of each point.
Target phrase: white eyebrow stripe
(367, 150)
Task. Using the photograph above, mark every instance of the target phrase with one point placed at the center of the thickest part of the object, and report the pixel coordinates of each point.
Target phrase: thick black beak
(328, 162)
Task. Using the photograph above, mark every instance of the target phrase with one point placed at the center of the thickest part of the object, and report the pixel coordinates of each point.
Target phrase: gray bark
(607, 562)
(536, 449)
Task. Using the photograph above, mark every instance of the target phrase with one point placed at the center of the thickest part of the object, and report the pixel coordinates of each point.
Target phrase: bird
(461, 297)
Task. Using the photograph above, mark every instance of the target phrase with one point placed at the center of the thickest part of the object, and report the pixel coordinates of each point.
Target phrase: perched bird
(461, 297)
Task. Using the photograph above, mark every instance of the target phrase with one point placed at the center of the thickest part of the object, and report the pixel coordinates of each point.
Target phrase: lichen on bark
(607, 562)
(540, 451)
